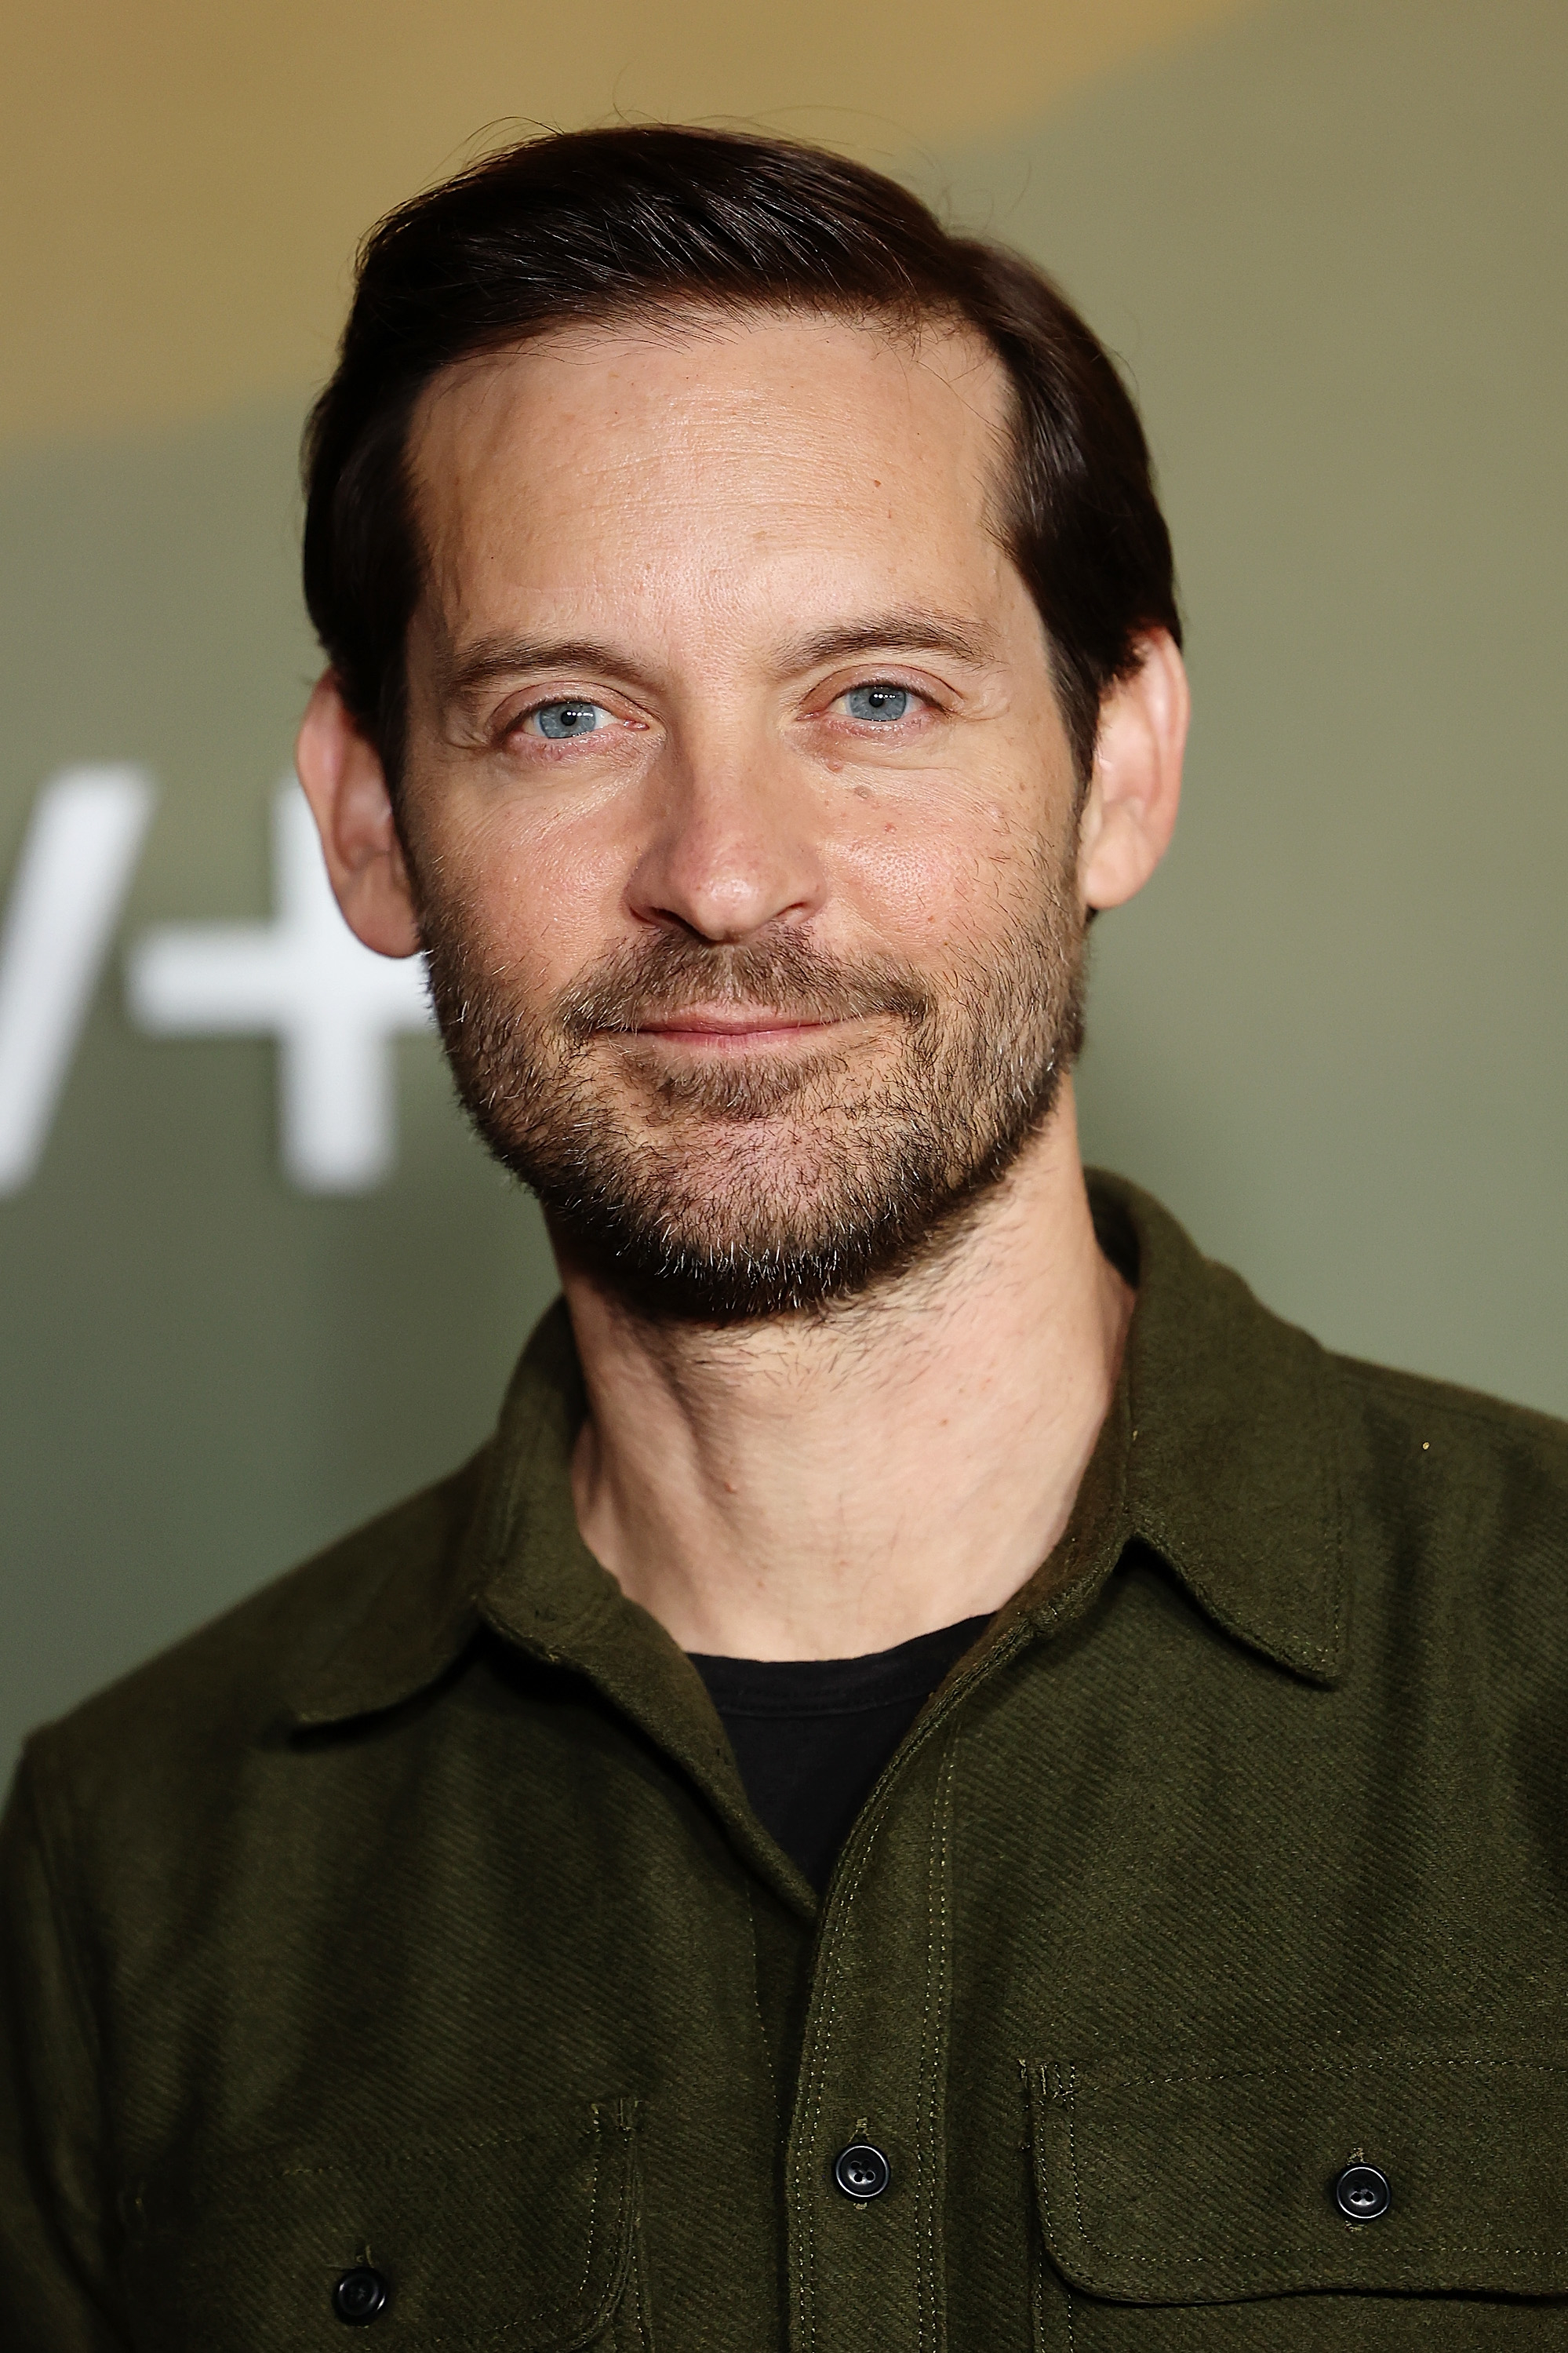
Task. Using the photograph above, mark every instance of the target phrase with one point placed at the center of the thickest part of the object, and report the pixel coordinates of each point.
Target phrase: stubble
(722, 1189)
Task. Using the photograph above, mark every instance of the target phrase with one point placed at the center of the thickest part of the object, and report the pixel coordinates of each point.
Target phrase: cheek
(541, 901)
(952, 871)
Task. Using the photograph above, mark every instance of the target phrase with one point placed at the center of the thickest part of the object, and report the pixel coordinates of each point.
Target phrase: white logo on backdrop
(334, 1007)
(77, 862)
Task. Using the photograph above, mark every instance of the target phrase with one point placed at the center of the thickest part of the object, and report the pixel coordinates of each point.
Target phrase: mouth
(733, 1028)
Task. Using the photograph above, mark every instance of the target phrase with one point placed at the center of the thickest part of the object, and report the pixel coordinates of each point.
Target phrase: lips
(690, 993)
(719, 1023)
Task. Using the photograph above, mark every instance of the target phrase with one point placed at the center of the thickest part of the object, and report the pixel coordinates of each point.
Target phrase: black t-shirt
(811, 1735)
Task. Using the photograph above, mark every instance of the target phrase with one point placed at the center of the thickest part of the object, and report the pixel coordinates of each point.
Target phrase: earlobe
(1130, 810)
(345, 784)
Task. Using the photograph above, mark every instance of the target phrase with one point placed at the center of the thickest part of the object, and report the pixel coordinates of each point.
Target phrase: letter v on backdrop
(333, 1008)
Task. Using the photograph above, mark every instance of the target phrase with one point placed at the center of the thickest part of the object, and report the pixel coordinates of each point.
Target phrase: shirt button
(360, 2296)
(861, 2171)
(1361, 2193)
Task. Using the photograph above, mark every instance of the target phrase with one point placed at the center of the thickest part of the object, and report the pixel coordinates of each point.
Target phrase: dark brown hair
(594, 225)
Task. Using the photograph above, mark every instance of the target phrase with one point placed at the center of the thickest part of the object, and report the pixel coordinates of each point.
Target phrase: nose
(733, 843)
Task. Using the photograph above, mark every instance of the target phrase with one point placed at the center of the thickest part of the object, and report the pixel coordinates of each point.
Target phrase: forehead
(742, 447)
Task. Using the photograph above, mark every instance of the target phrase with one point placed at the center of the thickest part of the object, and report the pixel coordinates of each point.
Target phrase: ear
(346, 786)
(1130, 810)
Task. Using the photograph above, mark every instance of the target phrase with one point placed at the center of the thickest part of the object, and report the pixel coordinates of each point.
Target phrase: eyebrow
(500, 656)
(908, 630)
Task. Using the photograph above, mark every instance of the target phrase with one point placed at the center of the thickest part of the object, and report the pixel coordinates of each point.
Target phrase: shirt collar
(498, 1543)
(1219, 1453)
(1231, 1444)
(513, 1561)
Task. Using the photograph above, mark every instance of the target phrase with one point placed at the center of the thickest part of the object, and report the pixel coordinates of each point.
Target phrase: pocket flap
(528, 2238)
(1217, 2184)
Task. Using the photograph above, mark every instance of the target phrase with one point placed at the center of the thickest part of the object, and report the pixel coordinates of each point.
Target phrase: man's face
(738, 805)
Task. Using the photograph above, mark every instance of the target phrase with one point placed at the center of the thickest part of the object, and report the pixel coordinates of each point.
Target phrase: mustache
(787, 974)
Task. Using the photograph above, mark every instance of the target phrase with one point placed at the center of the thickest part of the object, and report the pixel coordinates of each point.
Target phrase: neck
(823, 1486)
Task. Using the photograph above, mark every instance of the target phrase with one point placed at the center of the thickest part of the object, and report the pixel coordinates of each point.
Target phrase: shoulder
(1457, 1513)
(1432, 1431)
(233, 1684)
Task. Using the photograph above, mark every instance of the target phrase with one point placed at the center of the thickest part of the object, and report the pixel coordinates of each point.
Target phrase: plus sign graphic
(333, 1006)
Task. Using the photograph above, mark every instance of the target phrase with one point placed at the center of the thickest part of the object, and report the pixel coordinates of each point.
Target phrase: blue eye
(561, 721)
(880, 702)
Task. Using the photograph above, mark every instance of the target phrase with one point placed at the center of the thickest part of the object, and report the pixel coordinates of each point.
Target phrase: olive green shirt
(412, 1920)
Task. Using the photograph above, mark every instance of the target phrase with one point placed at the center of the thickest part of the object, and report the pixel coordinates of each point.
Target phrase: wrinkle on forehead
(466, 421)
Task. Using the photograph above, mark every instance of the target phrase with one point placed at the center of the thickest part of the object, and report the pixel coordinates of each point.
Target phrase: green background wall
(1328, 240)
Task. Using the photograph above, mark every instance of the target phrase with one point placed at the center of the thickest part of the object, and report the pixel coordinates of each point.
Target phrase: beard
(734, 1188)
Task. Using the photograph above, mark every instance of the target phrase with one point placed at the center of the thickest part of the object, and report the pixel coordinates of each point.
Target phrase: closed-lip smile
(719, 1027)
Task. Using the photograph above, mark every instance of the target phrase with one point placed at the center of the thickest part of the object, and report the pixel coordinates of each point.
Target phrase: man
(946, 1780)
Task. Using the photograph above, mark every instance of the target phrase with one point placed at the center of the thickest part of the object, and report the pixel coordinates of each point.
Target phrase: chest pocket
(522, 2245)
(1221, 2187)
